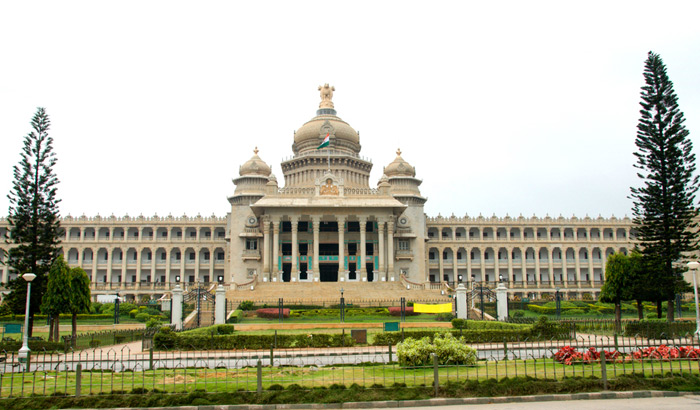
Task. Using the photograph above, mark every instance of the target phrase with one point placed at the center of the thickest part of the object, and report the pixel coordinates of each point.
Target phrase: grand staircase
(328, 294)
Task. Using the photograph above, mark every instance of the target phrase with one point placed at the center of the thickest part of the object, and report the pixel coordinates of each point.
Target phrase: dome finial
(326, 96)
(398, 151)
(255, 151)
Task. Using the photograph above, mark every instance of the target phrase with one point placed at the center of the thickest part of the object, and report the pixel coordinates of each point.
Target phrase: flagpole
(329, 159)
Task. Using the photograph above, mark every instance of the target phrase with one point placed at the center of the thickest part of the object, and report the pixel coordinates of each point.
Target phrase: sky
(504, 108)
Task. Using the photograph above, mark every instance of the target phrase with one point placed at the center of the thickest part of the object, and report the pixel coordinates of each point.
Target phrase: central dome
(343, 137)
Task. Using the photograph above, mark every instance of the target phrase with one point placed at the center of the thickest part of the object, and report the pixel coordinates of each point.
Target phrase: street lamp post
(342, 306)
(557, 297)
(23, 355)
(694, 268)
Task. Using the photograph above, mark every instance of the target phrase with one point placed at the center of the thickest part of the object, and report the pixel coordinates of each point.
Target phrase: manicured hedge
(659, 329)
(235, 317)
(272, 313)
(408, 311)
(470, 336)
(34, 345)
(484, 324)
(80, 316)
(166, 339)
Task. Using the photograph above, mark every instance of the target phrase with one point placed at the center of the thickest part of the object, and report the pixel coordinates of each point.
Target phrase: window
(458, 234)
(486, 256)
(328, 227)
(219, 256)
(191, 256)
(179, 234)
(207, 234)
(164, 234)
(404, 245)
(369, 248)
(149, 256)
(471, 234)
(459, 255)
(353, 226)
(471, 255)
(431, 255)
(369, 227)
(251, 244)
(303, 226)
(251, 273)
(444, 254)
(286, 248)
(178, 256)
(221, 234)
(162, 256)
(193, 234)
(206, 256)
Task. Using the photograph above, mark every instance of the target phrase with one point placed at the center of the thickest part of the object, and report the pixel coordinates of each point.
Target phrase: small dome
(399, 168)
(317, 128)
(255, 166)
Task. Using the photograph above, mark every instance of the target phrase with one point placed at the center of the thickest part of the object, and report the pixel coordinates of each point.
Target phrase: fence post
(272, 354)
(150, 358)
(390, 353)
(603, 369)
(436, 376)
(78, 381)
(505, 349)
(616, 348)
(259, 376)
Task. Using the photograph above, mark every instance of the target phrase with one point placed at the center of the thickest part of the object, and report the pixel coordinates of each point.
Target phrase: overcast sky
(503, 107)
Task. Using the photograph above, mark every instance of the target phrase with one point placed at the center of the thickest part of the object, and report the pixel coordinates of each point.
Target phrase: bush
(246, 305)
(164, 339)
(133, 313)
(142, 317)
(446, 347)
(224, 329)
(658, 329)
(575, 312)
(207, 341)
(153, 322)
(408, 311)
(518, 313)
(272, 313)
(235, 317)
(444, 317)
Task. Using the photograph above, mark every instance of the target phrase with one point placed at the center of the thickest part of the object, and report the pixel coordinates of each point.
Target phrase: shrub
(408, 311)
(142, 317)
(164, 339)
(575, 312)
(246, 305)
(236, 316)
(224, 329)
(272, 313)
(133, 313)
(518, 313)
(153, 322)
(446, 347)
(658, 329)
(444, 317)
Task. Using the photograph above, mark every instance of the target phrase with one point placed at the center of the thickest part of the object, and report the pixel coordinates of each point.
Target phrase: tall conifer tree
(33, 216)
(664, 206)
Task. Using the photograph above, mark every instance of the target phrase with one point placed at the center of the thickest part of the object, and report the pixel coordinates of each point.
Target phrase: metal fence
(107, 370)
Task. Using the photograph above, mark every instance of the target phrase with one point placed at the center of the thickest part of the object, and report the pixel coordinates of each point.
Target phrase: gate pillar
(176, 312)
(502, 302)
(220, 306)
(461, 301)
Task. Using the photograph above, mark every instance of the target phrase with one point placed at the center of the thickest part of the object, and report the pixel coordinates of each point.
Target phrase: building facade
(328, 224)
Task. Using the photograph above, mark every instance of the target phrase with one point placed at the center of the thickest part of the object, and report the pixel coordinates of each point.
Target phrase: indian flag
(326, 141)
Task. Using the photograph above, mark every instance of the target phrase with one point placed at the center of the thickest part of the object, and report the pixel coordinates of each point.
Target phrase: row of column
(496, 266)
(274, 225)
(534, 230)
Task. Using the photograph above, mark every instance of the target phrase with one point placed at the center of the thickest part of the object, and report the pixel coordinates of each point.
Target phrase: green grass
(186, 380)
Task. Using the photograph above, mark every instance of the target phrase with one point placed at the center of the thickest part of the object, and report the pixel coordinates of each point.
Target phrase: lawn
(183, 379)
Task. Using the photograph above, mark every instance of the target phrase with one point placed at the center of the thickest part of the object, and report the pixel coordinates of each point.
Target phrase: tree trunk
(670, 311)
(659, 310)
(51, 319)
(74, 329)
(618, 317)
(640, 309)
(56, 334)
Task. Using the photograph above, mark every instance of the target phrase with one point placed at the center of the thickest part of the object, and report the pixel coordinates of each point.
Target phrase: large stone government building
(328, 224)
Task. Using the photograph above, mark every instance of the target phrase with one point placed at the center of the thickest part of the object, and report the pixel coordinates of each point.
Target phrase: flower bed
(569, 355)
(272, 313)
(408, 311)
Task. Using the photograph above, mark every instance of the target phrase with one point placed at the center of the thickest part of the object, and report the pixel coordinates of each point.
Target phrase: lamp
(220, 278)
(177, 278)
(693, 266)
(23, 355)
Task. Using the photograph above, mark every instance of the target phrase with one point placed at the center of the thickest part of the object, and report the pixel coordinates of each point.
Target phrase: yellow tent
(442, 308)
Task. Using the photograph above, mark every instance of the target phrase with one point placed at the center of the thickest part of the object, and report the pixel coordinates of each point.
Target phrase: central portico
(326, 224)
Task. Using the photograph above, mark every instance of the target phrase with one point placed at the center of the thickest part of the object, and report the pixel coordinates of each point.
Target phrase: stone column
(591, 275)
(537, 267)
(94, 266)
(496, 267)
(109, 265)
(469, 262)
(510, 266)
(316, 229)
(363, 248)
(295, 247)
(196, 264)
(380, 234)
(341, 247)
(168, 265)
(578, 267)
(220, 306)
(551, 265)
(441, 269)
(455, 277)
(502, 302)
(461, 301)
(275, 249)
(176, 312)
(390, 247)
(138, 264)
(564, 270)
(124, 256)
(266, 246)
